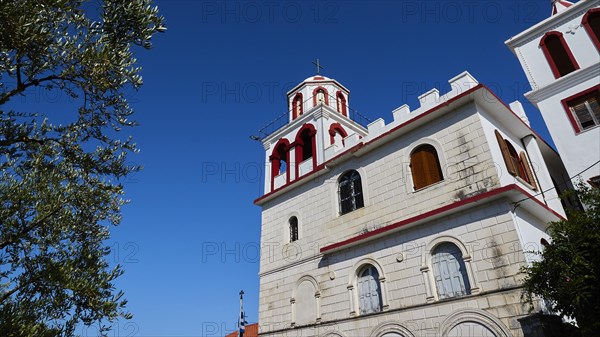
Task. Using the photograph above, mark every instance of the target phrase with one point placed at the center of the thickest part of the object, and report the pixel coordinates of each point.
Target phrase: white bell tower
(319, 124)
(561, 59)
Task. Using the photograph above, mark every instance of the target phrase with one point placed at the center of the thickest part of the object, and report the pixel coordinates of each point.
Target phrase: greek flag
(241, 318)
(242, 324)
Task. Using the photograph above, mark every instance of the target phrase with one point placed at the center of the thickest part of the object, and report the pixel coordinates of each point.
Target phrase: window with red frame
(297, 106)
(558, 54)
(307, 146)
(591, 23)
(341, 103)
(585, 110)
(320, 96)
(279, 161)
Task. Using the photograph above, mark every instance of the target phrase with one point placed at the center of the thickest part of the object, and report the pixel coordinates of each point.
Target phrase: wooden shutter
(583, 115)
(417, 167)
(506, 154)
(374, 290)
(363, 303)
(528, 171)
(449, 271)
(425, 166)
(369, 291)
(433, 171)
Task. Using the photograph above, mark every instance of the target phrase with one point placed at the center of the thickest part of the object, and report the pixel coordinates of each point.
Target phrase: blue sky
(189, 239)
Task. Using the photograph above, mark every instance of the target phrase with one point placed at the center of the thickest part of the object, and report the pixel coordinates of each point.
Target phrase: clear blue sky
(218, 75)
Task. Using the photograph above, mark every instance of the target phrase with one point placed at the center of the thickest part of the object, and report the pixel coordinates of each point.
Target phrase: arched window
(341, 103)
(279, 161)
(369, 291)
(558, 54)
(449, 271)
(472, 322)
(320, 96)
(470, 329)
(337, 134)
(350, 191)
(307, 148)
(280, 158)
(297, 106)
(583, 109)
(591, 23)
(425, 166)
(293, 229)
(516, 163)
(515, 160)
(305, 302)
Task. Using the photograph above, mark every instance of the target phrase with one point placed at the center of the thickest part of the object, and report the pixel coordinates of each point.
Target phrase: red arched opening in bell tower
(337, 130)
(320, 95)
(280, 161)
(297, 103)
(306, 146)
(341, 104)
(558, 54)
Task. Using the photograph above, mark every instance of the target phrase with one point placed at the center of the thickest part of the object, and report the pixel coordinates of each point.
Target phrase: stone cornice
(551, 23)
(564, 83)
(291, 265)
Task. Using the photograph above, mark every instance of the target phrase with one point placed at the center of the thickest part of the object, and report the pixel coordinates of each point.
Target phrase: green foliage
(60, 185)
(568, 275)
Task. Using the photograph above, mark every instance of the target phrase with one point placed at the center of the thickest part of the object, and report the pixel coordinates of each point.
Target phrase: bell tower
(319, 124)
(561, 59)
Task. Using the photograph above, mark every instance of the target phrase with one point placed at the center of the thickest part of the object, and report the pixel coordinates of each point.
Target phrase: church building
(419, 227)
(561, 58)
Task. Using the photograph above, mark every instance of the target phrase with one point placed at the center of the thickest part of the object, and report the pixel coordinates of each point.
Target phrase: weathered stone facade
(310, 286)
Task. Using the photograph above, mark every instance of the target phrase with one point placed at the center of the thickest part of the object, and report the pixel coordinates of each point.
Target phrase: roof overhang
(549, 23)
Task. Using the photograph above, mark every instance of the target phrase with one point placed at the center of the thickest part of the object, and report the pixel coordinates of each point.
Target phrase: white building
(561, 59)
(413, 228)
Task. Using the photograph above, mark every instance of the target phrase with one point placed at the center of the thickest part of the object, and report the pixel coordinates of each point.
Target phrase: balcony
(280, 180)
(305, 167)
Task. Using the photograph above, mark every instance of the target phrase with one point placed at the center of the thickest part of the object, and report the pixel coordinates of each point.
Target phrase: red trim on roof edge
(442, 209)
(439, 106)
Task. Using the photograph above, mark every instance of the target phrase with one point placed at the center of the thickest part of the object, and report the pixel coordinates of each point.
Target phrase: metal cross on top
(318, 66)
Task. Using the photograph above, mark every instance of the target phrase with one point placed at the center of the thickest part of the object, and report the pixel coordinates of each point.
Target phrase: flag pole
(241, 320)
